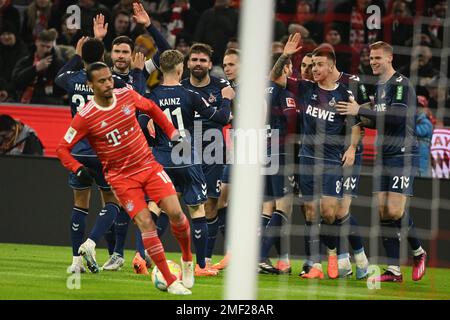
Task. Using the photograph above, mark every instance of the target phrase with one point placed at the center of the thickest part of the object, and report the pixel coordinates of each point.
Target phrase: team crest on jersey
(399, 79)
(314, 97)
(290, 102)
(332, 103)
(126, 109)
(129, 205)
(212, 98)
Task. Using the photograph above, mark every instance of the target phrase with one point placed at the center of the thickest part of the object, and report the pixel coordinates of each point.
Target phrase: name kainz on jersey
(82, 87)
(169, 102)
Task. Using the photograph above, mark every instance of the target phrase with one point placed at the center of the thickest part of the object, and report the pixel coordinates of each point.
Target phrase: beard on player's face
(199, 73)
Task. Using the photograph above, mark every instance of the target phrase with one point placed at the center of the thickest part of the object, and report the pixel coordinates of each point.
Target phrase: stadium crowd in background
(215, 22)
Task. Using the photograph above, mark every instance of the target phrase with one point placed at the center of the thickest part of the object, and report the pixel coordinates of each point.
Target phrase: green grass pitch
(39, 272)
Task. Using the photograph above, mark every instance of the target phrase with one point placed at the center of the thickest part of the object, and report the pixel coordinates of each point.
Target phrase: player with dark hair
(180, 161)
(306, 67)
(88, 51)
(278, 197)
(394, 115)
(209, 88)
(218, 220)
(322, 153)
(108, 121)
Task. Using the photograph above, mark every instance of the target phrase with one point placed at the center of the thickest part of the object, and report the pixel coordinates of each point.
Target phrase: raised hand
(140, 15)
(100, 27)
(292, 45)
(138, 62)
(80, 43)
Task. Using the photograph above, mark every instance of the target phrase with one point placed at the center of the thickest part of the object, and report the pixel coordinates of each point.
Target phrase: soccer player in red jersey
(108, 121)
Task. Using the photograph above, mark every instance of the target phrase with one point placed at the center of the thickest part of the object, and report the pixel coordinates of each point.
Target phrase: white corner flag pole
(255, 36)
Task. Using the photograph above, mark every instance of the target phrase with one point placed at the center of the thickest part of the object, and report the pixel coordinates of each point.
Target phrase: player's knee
(144, 221)
(393, 212)
(328, 213)
(310, 213)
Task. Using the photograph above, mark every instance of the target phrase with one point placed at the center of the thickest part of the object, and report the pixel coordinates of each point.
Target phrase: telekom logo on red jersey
(114, 137)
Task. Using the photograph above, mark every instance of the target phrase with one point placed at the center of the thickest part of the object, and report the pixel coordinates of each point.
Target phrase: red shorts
(131, 191)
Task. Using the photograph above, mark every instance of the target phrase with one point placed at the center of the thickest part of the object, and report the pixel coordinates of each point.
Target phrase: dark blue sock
(213, 230)
(312, 241)
(265, 220)
(162, 223)
(391, 241)
(200, 234)
(121, 227)
(139, 244)
(307, 239)
(272, 233)
(354, 237)
(413, 241)
(77, 227)
(105, 219)
(222, 214)
(328, 235)
(110, 237)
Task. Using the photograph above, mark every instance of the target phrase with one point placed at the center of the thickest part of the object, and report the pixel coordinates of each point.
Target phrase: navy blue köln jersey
(180, 106)
(323, 128)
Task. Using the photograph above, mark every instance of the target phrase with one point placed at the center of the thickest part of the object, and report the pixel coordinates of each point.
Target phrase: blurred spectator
(422, 66)
(233, 43)
(277, 47)
(202, 5)
(121, 27)
(123, 6)
(182, 43)
(66, 36)
(346, 57)
(33, 75)
(162, 28)
(11, 50)
(17, 138)
(306, 17)
(297, 28)
(89, 9)
(437, 10)
(38, 16)
(216, 26)
(424, 131)
(9, 13)
(365, 71)
(351, 16)
(398, 26)
(279, 29)
(183, 17)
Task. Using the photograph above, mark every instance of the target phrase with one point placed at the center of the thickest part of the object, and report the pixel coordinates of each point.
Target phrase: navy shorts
(94, 164)
(351, 181)
(226, 173)
(397, 174)
(213, 174)
(276, 186)
(319, 178)
(190, 182)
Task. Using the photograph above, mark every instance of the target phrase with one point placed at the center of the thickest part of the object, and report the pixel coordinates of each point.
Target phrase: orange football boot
(139, 264)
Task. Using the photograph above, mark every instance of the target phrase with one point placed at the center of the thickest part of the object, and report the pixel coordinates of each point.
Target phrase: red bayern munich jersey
(115, 134)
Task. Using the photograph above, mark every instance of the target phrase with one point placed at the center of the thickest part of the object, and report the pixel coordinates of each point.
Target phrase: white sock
(344, 263)
(317, 266)
(77, 259)
(418, 252)
(91, 242)
(208, 260)
(361, 260)
(395, 270)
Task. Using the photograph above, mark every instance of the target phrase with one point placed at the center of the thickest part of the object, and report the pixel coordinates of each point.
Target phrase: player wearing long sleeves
(394, 115)
(108, 121)
(183, 161)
